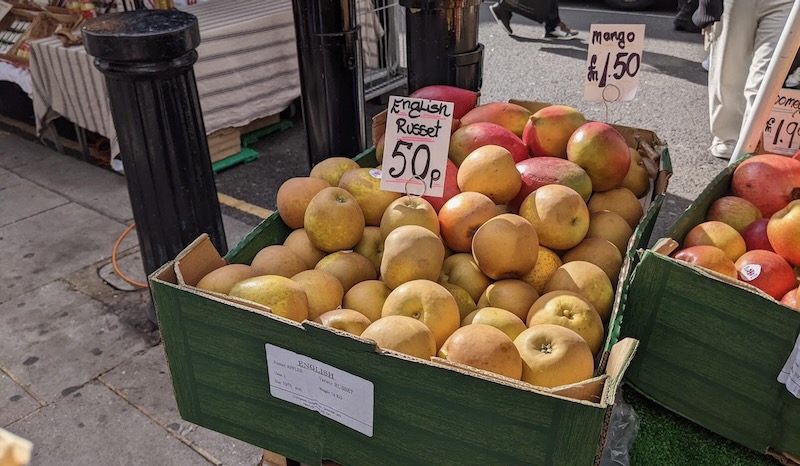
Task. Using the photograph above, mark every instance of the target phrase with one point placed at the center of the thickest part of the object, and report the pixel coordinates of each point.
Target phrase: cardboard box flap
(713, 274)
(197, 260)
(619, 358)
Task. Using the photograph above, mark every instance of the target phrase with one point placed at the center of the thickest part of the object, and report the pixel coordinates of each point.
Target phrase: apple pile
(753, 234)
(512, 271)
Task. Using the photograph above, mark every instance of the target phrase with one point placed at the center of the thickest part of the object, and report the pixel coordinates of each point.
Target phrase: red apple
(450, 187)
(790, 299)
(755, 235)
(710, 257)
(783, 231)
(766, 271)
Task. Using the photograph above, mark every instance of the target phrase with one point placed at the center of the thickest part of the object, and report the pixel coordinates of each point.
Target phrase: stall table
(246, 69)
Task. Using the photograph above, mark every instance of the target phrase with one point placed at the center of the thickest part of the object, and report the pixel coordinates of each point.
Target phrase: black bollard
(442, 43)
(331, 77)
(147, 57)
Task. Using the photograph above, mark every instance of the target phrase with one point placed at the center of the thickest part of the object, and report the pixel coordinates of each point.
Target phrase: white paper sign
(317, 386)
(613, 62)
(783, 125)
(416, 144)
(790, 375)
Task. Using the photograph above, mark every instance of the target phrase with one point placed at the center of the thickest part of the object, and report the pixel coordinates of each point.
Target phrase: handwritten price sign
(783, 125)
(613, 62)
(416, 145)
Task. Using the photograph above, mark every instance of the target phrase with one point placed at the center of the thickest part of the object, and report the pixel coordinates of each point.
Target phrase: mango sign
(781, 130)
(417, 141)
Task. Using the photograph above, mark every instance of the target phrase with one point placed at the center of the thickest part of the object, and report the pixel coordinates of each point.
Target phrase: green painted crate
(424, 412)
(711, 350)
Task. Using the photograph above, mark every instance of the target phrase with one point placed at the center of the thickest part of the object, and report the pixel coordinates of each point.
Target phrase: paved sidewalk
(82, 371)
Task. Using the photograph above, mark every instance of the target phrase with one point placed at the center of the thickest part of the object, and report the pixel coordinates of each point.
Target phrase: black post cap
(141, 35)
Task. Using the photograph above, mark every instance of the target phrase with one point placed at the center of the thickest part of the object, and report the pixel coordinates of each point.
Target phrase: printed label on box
(332, 392)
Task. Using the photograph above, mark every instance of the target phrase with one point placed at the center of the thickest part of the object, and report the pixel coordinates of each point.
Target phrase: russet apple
(461, 216)
(409, 210)
(462, 270)
(402, 334)
(346, 320)
(558, 214)
(553, 355)
(506, 246)
(365, 186)
(428, 302)
(411, 252)
(483, 347)
(490, 170)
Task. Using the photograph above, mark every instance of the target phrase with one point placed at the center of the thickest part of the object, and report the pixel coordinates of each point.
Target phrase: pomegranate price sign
(613, 62)
(783, 125)
(416, 144)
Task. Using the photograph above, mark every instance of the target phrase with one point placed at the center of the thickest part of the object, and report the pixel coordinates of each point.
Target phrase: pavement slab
(74, 430)
(93, 187)
(24, 199)
(55, 339)
(144, 380)
(47, 246)
(17, 152)
(15, 402)
(8, 179)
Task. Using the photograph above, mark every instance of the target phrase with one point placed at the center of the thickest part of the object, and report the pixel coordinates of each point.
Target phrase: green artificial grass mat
(666, 439)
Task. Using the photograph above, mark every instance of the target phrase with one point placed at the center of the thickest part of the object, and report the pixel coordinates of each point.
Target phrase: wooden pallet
(269, 458)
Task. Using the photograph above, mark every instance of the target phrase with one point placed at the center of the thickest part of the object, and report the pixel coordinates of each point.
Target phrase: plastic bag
(622, 430)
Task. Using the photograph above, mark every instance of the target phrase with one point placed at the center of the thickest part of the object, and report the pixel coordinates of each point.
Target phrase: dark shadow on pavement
(671, 210)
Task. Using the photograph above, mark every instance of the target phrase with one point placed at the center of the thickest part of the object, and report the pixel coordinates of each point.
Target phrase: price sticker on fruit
(416, 144)
(613, 62)
(783, 125)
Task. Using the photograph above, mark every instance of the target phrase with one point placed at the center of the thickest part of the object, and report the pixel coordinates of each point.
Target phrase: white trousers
(745, 39)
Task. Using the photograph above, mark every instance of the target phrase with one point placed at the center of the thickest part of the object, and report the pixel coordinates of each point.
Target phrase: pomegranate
(769, 181)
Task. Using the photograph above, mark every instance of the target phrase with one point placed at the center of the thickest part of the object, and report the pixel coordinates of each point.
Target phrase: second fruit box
(711, 349)
(420, 412)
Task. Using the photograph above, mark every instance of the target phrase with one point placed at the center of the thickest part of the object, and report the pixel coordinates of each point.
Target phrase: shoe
(562, 31)
(502, 17)
(685, 25)
(706, 63)
(722, 150)
(793, 80)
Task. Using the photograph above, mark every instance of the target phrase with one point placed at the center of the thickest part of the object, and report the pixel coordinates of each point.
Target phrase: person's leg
(554, 28)
(553, 20)
(772, 15)
(731, 54)
(683, 20)
(502, 14)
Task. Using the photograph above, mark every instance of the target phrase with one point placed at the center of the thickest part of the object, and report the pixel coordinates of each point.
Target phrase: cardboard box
(425, 412)
(711, 349)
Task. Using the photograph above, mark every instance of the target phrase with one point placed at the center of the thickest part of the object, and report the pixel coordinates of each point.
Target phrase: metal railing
(383, 46)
